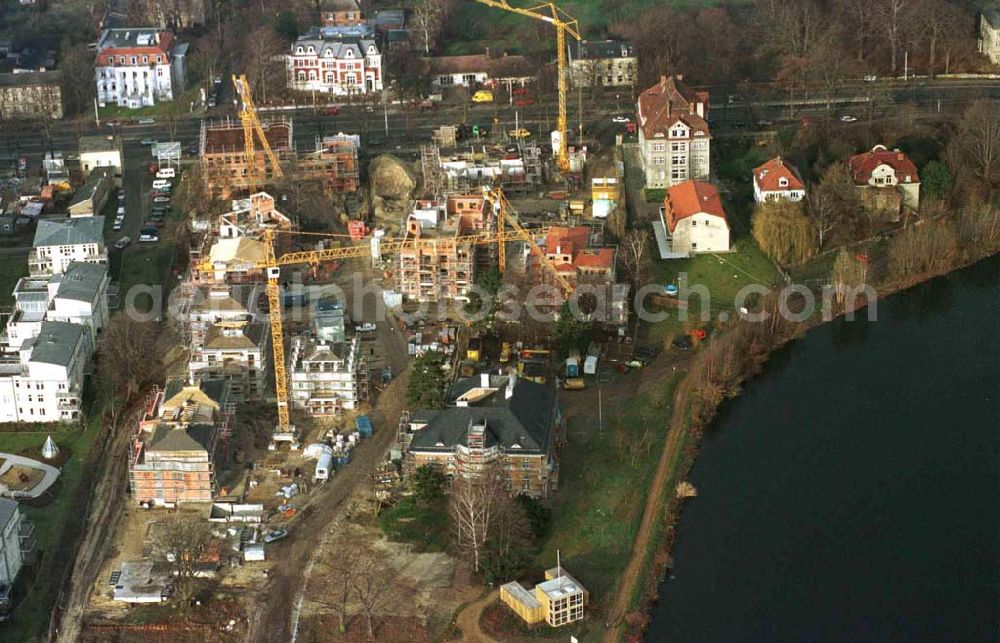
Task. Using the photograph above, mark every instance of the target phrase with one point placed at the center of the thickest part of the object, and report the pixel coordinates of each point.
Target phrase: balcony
(26, 537)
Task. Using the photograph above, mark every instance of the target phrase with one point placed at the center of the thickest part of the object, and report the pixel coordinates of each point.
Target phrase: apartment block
(327, 377)
(673, 133)
(32, 95)
(437, 265)
(138, 67)
(43, 380)
(59, 242)
(238, 352)
(223, 159)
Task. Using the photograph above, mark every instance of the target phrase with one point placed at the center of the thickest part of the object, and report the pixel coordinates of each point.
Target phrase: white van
(161, 183)
(166, 173)
(121, 212)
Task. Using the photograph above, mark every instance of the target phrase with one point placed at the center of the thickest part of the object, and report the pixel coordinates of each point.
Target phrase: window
(133, 60)
(694, 246)
(659, 147)
(145, 60)
(694, 222)
(159, 59)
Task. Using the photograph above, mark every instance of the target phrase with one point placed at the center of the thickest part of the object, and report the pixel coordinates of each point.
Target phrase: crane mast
(564, 24)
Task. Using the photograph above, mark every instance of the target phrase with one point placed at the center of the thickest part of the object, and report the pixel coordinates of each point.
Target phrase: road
(406, 129)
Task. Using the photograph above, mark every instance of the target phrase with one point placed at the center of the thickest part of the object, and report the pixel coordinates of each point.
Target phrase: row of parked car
(162, 186)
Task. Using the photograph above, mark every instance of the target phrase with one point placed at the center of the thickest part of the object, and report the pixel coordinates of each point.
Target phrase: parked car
(149, 233)
(482, 96)
(153, 168)
(161, 199)
(156, 223)
(620, 119)
(521, 91)
(147, 121)
(847, 118)
(275, 535)
(166, 173)
(148, 141)
(519, 133)
(117, 225)
(124, 241)
(192, 149)
(524, 102)
(364, 328)
(870, 78)
(332, 110)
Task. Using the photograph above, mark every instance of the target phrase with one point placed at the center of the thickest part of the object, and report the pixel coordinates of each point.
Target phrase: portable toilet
(590, 365)
(364, 426)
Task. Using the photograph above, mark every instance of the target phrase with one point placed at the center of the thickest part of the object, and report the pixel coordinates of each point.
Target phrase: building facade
(32, 95)
(491, 419)
(138, 67)
(237, 352)
(692, 220)
(13, 534)
(777, 179)
(341, 67)
(327, 377)
(605, 63)
(673, 133)
(59, 242)
(340, 13)
(44, 382)
(224, 164)
(989, 34)
(885, 170)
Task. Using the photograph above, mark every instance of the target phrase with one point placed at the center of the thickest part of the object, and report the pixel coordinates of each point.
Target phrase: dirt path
(274, 616)
(468, 619)
(635, 571)
(104, 507)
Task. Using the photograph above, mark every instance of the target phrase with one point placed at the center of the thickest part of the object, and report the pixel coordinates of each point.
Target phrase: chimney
(691, 108)
(899, 156)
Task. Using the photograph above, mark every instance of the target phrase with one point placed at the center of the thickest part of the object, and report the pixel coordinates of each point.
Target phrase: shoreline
(652, 555)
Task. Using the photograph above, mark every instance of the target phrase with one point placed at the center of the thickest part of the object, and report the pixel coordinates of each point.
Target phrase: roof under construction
(227, 136)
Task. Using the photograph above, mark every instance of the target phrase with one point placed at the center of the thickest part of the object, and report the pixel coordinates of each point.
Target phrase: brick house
(340, 13)
(342, 67)
(491, 418)
(673, 134)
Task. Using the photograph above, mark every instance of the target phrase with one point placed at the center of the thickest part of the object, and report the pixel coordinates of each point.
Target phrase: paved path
(51, 473)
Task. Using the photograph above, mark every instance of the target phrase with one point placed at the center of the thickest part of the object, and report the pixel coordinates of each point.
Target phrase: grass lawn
(425, 527)
(11, 269)
(603, 481)
(180, 105)
(31, 620)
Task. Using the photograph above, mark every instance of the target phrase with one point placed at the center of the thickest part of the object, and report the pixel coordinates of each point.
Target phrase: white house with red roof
(673, 133)
(882, 169)
(777, 179)
(691, 220)
(138, 67)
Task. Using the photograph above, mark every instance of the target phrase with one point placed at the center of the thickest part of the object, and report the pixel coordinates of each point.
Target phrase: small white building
(327, 377)
(691, 220)
(59, 242)
(777, 179)
(101, 151)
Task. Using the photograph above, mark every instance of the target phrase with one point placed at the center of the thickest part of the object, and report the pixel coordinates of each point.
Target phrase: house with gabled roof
(692, 220)
(673, 133)
(881, 174)
(777, 179)
(491, 418)
(333, 65)
(59, 242)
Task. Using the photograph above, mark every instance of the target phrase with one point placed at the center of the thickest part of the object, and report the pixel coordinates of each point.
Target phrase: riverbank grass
(603, 480)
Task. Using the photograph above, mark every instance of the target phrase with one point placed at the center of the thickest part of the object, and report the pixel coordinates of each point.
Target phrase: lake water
(852, 492)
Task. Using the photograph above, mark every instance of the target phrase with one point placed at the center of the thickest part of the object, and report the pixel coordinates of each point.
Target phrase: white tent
(49, 449)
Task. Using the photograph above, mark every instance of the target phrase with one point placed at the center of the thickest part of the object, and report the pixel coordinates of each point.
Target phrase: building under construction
(223, 159)
(333, 162)
(444, 269)
(514, 168)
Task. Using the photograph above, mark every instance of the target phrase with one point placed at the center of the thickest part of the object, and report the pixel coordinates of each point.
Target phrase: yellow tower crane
(564, 24)
(272, 267)
(251, 124)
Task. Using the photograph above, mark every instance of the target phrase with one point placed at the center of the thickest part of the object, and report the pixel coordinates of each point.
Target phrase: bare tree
(848, 272)
(427, 18)
(131, 355)
(976, 147)
(891, 14)
(344, 573)
(475, 505)
(634, 248)
(181, 544)
(371, 580)
(936, 21)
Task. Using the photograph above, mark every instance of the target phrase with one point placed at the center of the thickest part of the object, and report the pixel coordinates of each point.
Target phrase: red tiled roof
(161, 48)
(767, 176)
(862, 165)
(689, 198)
(569, 241)
(596, 258)
(668, 101)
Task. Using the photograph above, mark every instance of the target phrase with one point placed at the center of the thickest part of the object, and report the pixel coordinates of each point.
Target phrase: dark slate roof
(69, 232)
(992, 16)
(82, 281)
(56, 343)
(31, 78)
(197, 437)
(521, 424)
(602, 49)
(7, 509)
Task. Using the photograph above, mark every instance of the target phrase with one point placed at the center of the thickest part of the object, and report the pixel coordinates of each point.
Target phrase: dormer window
(328, 52)
(312, 49)
(783, 182)
(349, 54)
(299, 50)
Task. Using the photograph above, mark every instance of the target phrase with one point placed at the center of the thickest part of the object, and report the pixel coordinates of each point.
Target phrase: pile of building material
(392, 186)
